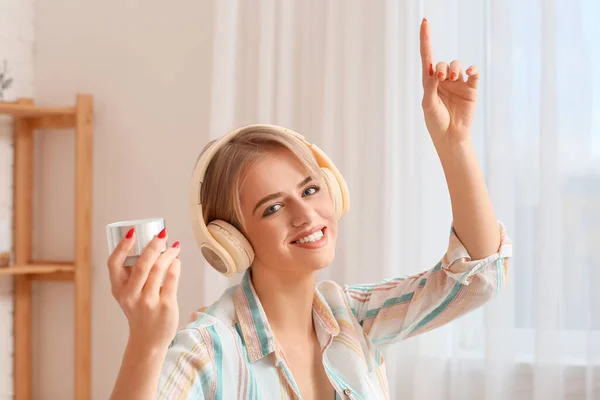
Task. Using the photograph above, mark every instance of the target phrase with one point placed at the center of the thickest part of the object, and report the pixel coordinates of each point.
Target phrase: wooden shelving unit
(27, 118)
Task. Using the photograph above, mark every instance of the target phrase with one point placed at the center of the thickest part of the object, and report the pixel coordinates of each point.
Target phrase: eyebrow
(279, 194)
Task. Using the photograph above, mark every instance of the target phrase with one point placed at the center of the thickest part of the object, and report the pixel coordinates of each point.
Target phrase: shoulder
(329, 287)
(189, 368)
(205, 324)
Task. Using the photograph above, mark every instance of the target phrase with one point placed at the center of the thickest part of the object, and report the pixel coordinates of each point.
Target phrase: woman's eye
(311, 190)
(274, 208)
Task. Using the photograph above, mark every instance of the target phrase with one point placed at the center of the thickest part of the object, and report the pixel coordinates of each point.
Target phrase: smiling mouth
(312, 238)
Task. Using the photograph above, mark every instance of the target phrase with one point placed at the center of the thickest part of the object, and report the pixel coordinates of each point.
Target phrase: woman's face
(288, 217)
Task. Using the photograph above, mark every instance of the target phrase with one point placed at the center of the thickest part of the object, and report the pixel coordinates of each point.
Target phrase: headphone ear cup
(234, 244)
(335, 191)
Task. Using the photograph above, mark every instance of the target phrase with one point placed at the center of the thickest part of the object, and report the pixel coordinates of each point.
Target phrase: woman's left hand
(448, 100)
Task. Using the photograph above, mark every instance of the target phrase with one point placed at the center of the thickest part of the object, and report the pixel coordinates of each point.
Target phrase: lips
(308, 232)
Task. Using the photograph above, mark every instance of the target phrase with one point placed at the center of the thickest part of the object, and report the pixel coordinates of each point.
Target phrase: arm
(139, 373)
(472, 211)
(475, 265)
(184, 370)
(151, 310)
(396, 309)
(449, 104)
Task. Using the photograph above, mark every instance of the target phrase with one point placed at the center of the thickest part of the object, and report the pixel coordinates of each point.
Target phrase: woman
(274, 206)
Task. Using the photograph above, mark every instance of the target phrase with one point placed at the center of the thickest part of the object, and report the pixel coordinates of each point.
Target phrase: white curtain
(346, 74)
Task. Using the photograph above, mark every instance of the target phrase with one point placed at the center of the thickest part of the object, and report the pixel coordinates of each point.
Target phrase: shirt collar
(323, 313)
(256, 332)
(251, 316)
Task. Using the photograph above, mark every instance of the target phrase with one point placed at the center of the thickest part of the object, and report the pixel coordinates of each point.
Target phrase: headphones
(222, 245)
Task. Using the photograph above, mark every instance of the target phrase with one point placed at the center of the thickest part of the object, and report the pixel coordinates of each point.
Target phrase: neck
(287, 298)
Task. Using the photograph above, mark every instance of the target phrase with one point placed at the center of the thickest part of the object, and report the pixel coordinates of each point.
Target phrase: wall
(17, 47)
(149, 72)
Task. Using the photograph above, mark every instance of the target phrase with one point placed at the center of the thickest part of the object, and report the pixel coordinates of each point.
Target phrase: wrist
(452, 149)
(145, 352)
(140, 370)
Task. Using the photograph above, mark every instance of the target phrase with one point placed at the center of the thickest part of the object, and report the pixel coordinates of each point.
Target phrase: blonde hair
(220, 194)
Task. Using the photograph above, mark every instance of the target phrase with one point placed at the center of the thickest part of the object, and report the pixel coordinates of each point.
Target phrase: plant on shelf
(5, 81)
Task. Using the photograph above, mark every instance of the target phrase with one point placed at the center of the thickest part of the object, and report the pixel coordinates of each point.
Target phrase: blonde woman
(265, 203)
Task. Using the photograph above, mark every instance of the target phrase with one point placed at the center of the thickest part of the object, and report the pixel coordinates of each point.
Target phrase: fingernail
(430, 69)
(162, 233)
(469, 70)
(175, 245)
(440, 75)
(453, 76)
(130, 233)
(424, 19)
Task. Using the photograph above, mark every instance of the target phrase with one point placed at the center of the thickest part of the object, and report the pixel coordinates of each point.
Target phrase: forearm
(473, 215)
(139, 374)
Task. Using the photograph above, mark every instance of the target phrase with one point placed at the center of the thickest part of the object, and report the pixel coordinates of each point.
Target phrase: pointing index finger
(426, 51)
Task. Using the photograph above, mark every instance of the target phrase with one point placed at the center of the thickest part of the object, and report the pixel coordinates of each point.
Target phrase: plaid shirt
(229, 351)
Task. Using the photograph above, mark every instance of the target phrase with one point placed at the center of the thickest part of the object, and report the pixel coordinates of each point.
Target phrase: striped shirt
(228, 351)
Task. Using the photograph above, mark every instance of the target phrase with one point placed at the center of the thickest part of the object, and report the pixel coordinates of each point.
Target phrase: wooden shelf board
(59, 276)
(30, 110)
(37, 269)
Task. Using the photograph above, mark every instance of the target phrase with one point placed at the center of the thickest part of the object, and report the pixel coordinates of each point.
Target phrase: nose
(302, 214)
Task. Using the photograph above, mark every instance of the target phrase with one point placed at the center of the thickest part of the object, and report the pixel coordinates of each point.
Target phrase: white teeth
(311, 238)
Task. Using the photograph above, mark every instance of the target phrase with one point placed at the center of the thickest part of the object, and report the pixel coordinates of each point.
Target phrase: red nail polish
(175, 245)
(469, 70)
(440, 75)
(162, 233)
(130, 233)
(453, 75)
(430, 69)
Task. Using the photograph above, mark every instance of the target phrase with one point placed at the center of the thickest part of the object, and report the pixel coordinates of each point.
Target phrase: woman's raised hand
(448, 99)
(152, 311)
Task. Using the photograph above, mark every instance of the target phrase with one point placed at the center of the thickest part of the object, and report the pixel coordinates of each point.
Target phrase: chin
(321, 264)
(319, 261)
